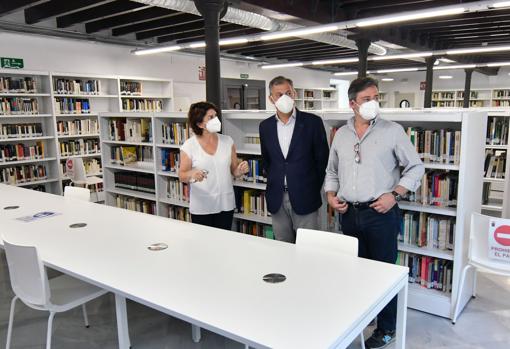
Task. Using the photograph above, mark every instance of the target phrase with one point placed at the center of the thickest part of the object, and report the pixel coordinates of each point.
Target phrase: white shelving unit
(480, 98)
(151, 89)
(313, 99)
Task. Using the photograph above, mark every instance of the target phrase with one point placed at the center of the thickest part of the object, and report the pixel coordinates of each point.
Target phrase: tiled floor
(484, 324)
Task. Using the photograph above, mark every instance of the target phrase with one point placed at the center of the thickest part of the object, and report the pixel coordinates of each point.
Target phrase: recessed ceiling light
(387, 79)
(445, 77)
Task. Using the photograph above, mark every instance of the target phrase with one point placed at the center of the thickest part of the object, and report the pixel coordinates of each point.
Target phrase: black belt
(361, 205)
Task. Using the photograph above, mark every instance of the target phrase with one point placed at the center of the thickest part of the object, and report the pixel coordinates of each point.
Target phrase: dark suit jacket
(305, 165)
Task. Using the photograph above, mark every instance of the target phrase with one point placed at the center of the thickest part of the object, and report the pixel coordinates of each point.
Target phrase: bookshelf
(479, 98)
(139, 94)
(496, 171)
(323, 98)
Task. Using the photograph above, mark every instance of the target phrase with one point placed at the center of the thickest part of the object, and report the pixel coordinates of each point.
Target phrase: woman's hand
(197, 175)
(241, 169)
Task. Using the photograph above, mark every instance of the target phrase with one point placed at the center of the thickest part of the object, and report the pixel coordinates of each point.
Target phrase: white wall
(84, 57)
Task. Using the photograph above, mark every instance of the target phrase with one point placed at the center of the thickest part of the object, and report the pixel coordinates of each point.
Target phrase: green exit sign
(11, 63)
(244, 76)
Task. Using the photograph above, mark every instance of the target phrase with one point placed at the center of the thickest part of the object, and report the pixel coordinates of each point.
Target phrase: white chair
(30, 284)
(75, 170)
(77, 193)
(328, 241)
(478, 256)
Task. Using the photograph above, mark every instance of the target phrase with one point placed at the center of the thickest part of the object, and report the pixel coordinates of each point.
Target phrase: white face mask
(369, 110)
(213, 125)
(285, 104)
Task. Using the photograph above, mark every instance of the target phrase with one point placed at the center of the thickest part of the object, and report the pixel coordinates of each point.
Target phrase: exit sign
(11, 63)
(244, 76)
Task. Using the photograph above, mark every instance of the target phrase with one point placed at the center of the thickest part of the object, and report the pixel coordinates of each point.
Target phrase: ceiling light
(197, 45)
(402, 56)
(299, 32)
(445, 77)
(157, 50)
(233, 41)
(345, 73)
(410, 17)
(436, 62)
(284, 65)
(382, 71)
(458, 66)
(387, 79)
(498, 64)
(446, 60)
(335, 61)
(501, 4)
(461, 51)
(500, 34)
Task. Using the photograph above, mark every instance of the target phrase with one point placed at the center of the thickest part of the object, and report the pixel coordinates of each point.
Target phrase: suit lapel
(296, 134)
(274, 135)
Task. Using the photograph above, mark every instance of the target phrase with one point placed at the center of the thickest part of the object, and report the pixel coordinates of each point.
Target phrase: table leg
(401, 318)
(196, 333)
(122, 322)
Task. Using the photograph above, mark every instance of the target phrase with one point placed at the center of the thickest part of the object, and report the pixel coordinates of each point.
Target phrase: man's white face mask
(285, 104)
(369, 110)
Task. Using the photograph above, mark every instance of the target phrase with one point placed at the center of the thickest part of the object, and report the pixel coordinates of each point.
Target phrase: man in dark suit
(294, 155)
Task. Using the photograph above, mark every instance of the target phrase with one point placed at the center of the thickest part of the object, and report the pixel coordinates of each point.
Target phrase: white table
(209, 277)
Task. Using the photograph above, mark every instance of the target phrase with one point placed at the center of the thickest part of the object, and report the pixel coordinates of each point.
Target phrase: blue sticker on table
(37, 216)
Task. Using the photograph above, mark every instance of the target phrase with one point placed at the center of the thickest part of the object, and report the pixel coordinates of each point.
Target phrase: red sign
(201, 73)
(423, 85)
(502, 235)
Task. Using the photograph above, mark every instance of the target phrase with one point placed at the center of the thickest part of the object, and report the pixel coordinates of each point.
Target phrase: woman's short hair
(197, 113)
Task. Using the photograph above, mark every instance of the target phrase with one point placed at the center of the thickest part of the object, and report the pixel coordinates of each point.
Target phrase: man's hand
(334, 201)
(385, 202)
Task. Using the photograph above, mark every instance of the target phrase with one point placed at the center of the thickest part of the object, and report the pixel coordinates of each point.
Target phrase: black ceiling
(124, 19)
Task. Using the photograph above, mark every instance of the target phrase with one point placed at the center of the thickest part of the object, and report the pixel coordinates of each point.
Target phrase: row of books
(130, 88)
(22, 174)
(17, 106)
(175, 132)
(142, 105)
(472, 94)
(501, 103)
(441, 146)
(65, 105)
(170, 160)
(77, 86)
(495, 163)
(143, 182)
(252, 139)
(79, 147)
(255, 173)
(429, 272)
(92, 167)
(126, 155)
(437, 189)
(77, 127)
(19, 152)
(251, 202)
(501, 94)
(426, 230)
(130, 130)
(443, 104)
(178, 212)
(253, 228)
(135, 204)
(177, 190)
(497, 131)
(17, 84)
(443, 95)
(25, 130)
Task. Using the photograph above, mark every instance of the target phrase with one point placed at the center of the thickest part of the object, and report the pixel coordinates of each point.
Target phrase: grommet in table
(158, 246)
(274, 278)
(78, 225)
(10, 207)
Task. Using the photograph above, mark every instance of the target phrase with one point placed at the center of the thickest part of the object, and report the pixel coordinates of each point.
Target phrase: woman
(208, 162)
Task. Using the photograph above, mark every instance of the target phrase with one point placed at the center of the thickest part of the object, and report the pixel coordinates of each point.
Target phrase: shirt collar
(292, 117)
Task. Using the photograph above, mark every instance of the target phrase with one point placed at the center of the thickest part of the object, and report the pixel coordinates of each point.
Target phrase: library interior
(222, 174)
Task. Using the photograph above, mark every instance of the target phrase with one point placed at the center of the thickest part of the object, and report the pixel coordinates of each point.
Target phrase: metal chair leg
(11, 320)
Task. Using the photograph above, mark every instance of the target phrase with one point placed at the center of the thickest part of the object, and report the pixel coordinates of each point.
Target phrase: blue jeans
(377, 235)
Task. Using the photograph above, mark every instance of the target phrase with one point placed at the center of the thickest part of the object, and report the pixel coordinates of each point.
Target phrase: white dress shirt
(285, 132)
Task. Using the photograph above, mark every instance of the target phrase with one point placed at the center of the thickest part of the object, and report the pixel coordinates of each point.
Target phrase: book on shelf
(497, 130)
(500, 103)
(23, 174)
(64, 105)
(92, 167)
(443, 104)
(18, 106)
(428, 272)
(438, 188)
(79, 147)
(255, 172)
(179, 213)
(77, 127)
(10, 84)
(251, 202)
(177, 190)
(130, 130)
(504, 93)
(256, 229)
(20, 151)
(135, 156)
(142, 105)
(175, 132)
(495, 163)
(135, 204)
(426, 230)
(252, 138)
(130, 88)
(77, 86)
(170, 160)
(143, 182)
(25, 130)
(440, 146)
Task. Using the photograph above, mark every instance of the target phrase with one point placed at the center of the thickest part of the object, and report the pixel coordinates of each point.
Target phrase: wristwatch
(397, 196)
